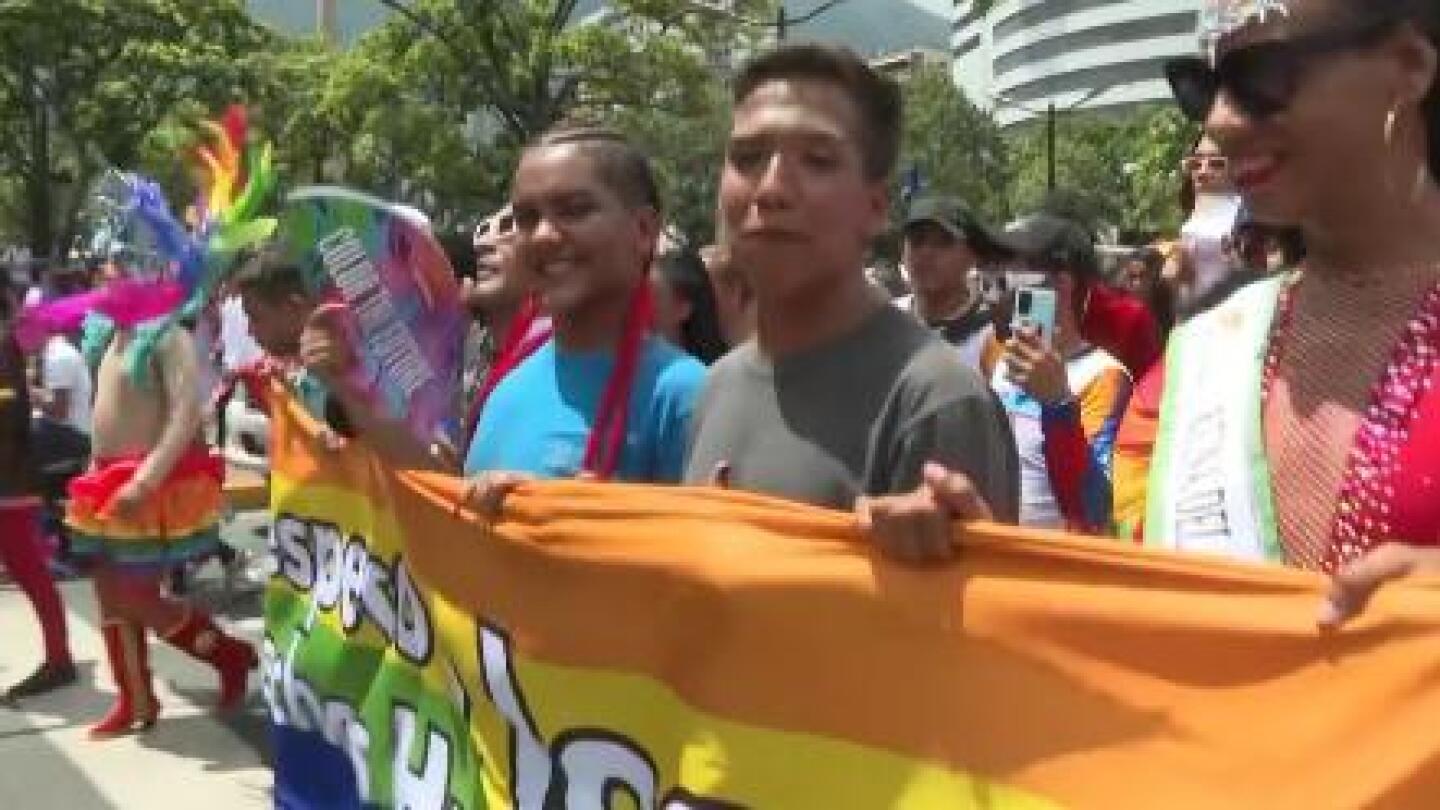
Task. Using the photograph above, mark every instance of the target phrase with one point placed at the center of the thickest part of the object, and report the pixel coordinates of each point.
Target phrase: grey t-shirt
(858, 416)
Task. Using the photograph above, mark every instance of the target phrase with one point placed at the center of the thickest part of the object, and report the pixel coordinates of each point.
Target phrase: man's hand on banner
(1351, 589)
(916, 527)
(486, 492)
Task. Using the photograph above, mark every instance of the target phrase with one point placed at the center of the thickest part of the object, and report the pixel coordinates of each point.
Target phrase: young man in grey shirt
(840, 400)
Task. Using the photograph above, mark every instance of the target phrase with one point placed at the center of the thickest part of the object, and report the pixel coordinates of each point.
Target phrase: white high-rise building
(1024, 55)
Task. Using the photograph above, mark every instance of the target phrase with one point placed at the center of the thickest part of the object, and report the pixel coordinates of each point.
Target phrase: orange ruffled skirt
(178, 522)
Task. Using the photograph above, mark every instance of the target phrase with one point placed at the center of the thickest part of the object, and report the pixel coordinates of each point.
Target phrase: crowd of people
(1261, 388)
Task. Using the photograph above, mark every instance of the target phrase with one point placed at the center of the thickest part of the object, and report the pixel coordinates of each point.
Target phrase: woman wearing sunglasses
(1302, 419)
(1205, 254)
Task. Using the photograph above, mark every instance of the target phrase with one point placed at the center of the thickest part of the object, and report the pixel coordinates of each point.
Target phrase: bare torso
(131, 419)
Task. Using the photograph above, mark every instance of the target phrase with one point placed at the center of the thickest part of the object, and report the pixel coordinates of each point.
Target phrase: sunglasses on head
(1210, 163)
(1261, 79)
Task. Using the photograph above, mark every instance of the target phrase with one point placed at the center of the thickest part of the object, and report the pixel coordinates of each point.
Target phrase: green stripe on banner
(406, 738)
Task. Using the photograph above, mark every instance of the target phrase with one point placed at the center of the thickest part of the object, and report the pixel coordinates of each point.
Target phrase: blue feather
(171, 239)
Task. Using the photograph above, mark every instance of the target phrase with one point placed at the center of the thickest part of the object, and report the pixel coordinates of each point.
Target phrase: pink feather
(127, 302)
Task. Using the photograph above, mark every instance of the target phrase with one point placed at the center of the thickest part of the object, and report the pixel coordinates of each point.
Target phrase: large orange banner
(619, 646)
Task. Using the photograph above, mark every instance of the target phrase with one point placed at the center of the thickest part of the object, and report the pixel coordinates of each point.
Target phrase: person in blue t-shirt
(604, 397)
(538, 420)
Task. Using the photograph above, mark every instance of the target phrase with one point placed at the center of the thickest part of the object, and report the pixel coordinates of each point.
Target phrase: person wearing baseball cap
(1065, 396)
(1109, 318)
(944, 242)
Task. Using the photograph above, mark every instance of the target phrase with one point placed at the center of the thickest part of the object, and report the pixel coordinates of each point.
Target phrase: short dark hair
(271, 275)
(684, 270)
(619, 163)
(876, 98)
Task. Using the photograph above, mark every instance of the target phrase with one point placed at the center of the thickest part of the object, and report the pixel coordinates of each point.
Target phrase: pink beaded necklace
(1367, 491)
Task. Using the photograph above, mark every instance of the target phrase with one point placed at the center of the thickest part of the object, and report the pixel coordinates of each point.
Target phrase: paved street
(192, 758)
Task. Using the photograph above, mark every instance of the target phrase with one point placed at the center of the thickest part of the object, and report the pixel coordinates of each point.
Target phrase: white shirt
(1206, 238)
(63, 369)
(1039, 506)
(972, 348)
(237, 347)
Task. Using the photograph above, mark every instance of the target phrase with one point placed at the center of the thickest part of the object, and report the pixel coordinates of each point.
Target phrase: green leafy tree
(1114, 172)
(443, 96)
(1162, 138)
(955, 147)
(688, 153)
(87, 84)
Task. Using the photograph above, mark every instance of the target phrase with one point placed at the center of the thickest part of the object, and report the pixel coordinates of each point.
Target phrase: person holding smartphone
(1301, 424)
(1065, 396)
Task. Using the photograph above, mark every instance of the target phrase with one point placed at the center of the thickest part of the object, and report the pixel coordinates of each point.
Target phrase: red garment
(1122, 325)
(1415, 506)
(23, 554)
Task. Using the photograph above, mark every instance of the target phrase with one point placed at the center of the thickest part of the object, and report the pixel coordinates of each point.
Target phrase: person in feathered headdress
(152, 497)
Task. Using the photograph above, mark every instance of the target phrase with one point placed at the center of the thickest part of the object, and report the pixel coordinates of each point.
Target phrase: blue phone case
(1040, 314)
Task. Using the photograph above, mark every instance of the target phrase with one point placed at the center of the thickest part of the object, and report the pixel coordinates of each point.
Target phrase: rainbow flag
(628, 646)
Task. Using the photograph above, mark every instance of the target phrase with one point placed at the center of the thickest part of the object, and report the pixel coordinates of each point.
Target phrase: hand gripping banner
(616, 646)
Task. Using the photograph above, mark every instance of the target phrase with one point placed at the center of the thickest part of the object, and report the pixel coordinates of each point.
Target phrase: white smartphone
(1035, 309)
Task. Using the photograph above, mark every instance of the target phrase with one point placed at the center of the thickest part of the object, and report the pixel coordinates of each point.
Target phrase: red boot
(198, 636)
(135, 705)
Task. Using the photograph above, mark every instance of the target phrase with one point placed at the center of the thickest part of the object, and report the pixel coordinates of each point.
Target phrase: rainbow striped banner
(623, 646)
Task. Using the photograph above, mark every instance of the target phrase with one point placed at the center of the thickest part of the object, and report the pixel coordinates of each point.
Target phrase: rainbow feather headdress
(169, 271)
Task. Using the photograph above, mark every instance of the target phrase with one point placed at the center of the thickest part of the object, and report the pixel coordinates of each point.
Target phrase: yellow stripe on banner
(762, 653)
(335, 502)
(704, 750)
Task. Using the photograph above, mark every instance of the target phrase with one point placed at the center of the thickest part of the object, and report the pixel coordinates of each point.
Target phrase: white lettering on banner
(391, 343)
(375, 596)
(342, 575)
(581, 768)
(363, 587)
(345, 730)
(413, 635)
(293, 704)
(355, 578)
(531, 772)
(597, 768)
(585, 767)
(428, 788)
(327, 542)
(287, 542)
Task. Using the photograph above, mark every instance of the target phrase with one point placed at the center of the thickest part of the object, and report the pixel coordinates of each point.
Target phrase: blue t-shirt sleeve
(677, 392)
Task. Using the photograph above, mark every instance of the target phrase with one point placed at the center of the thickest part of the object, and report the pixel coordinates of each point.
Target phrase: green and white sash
(1210, 488)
